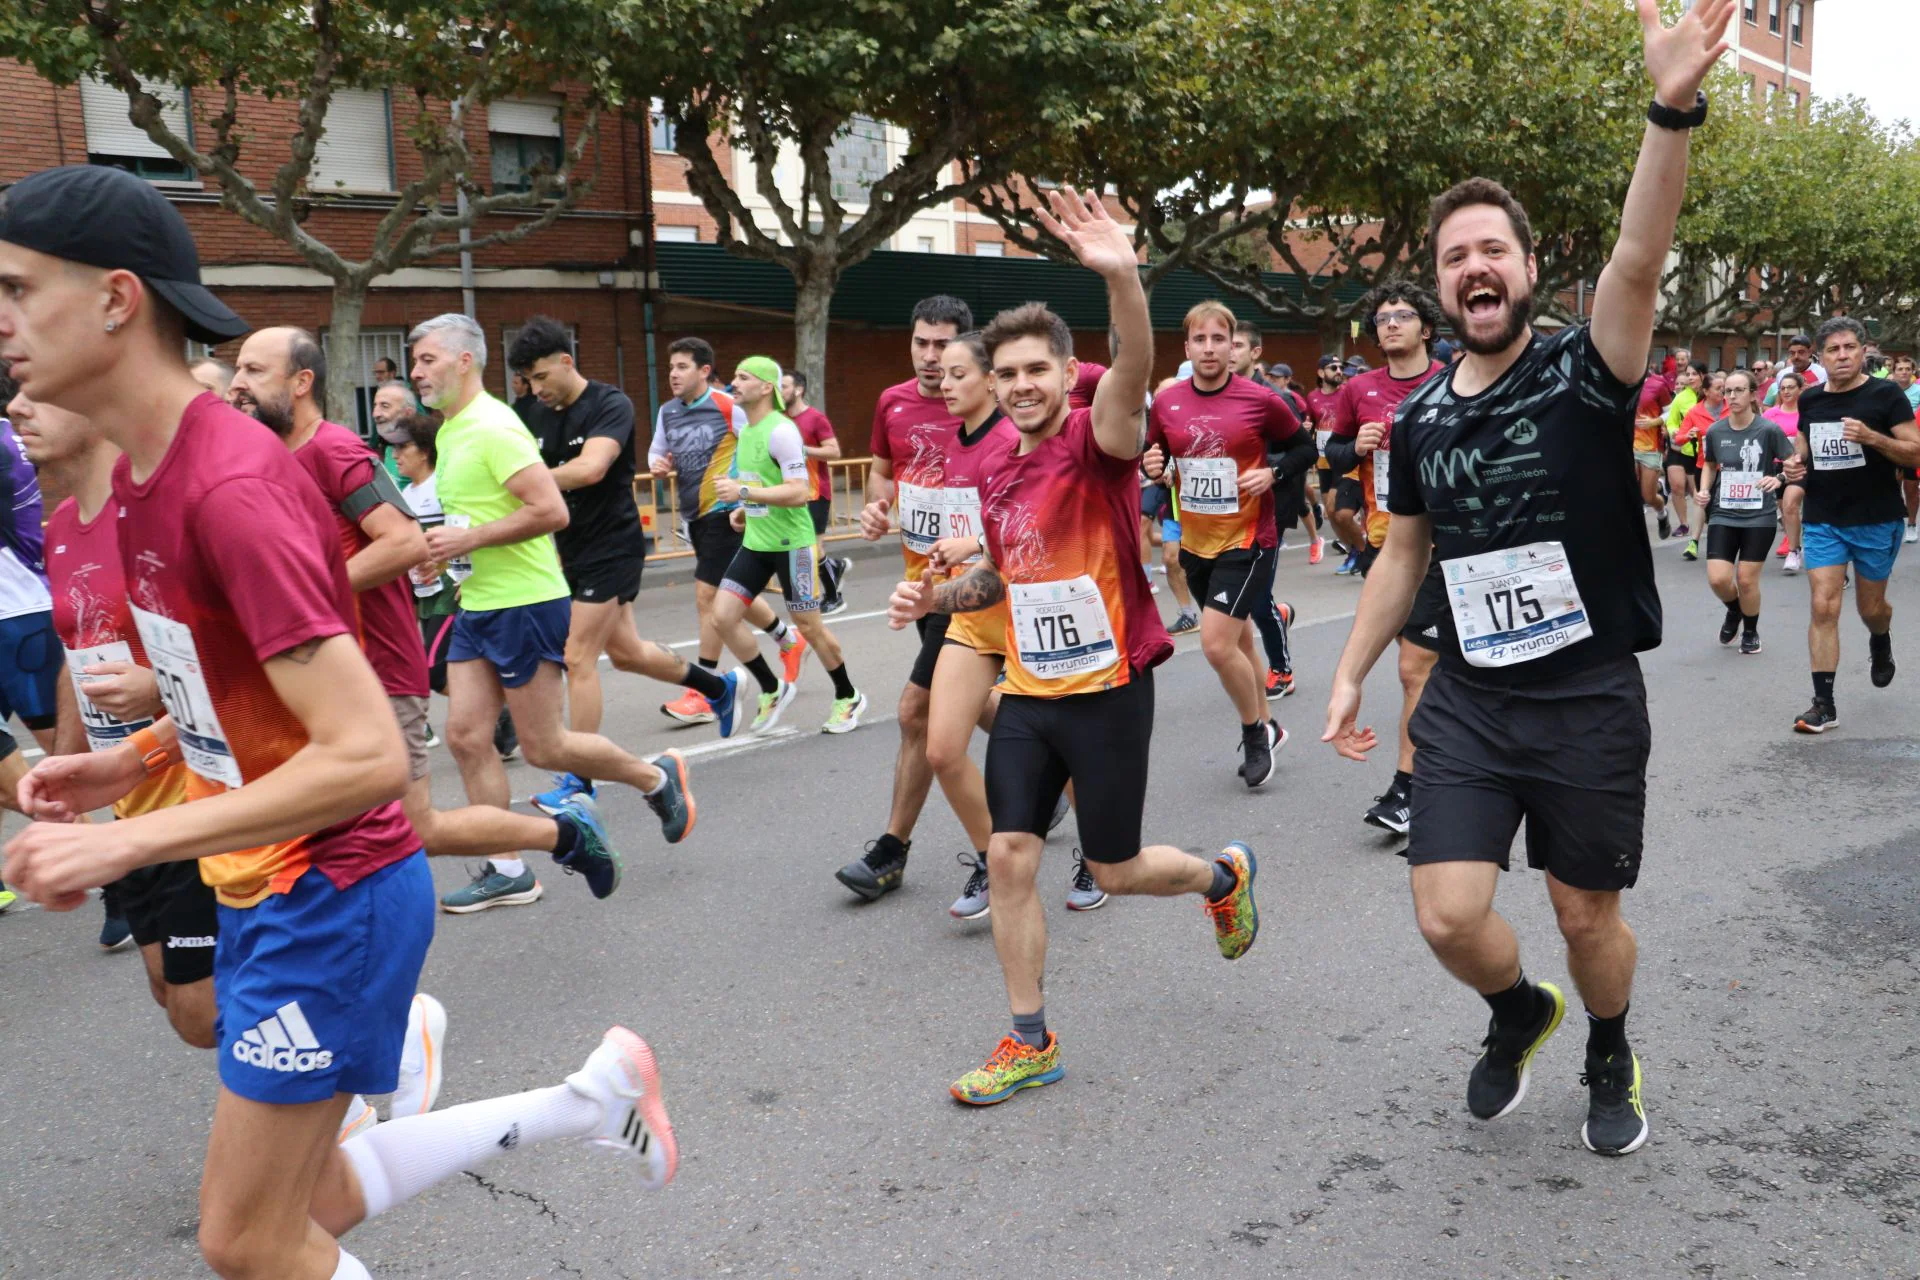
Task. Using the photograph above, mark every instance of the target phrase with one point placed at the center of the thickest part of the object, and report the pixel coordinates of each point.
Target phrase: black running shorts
(714, 542)
(606, 580)
(1347, 494)
(821, 510)
(933, 637)
(1233, 582)
(168, 904)
(1725, 542)
(1687, 462)
(1098, 741)
(1568, 757)
(1429, 610)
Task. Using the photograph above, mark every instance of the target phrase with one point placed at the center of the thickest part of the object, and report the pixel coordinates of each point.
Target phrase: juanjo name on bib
(1515, 605)
(183, 687)
(1061, 628)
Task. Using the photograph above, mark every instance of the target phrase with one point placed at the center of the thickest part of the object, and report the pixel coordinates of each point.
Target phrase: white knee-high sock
(398, 1160)
(350, 1268)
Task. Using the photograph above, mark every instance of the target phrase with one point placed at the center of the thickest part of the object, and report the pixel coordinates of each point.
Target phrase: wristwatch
(1662, 116)
(743, 493)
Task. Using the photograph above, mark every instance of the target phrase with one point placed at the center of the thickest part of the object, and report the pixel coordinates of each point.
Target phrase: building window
(1773, 16)
(1740, 358)
(356, 151)
(1794, 16)
(989, 249)
(1773, 91)
(857, 159)
(1793, 98)
(666, 138)
(114, 139)
(1713, 359)
(525, 137)
(676, 234)
(375, 345)
(1752, 11)
(923, 244)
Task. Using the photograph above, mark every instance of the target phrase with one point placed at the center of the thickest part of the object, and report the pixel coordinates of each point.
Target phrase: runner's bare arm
(1902, 448)
(1083, 223)
(397, 544)
(69, 734)
(1677, 59)
(980, 588)
(542, 510)
(591, 467)
(1385, 602)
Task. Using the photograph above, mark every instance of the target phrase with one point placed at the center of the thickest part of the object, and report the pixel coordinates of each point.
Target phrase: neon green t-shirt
(480, 448)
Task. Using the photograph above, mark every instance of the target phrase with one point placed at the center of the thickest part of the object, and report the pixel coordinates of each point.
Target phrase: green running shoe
(1014, 1066)
(491, 888)
(1236, 920)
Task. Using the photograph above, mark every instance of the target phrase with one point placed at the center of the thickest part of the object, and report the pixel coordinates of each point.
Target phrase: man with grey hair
(509, 642)
(214, 375)
(1857, 433)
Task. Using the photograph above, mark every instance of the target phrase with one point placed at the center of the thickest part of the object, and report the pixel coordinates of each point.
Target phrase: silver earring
(111, 326)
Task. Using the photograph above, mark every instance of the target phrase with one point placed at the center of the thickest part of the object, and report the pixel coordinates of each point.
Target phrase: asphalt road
(1300, 1112)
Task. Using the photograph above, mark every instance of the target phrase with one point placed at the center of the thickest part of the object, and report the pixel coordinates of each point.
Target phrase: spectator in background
(215, 375)
(394, 403)
(524, 400)
(385, 370)
(816, 434)
(1800, 360)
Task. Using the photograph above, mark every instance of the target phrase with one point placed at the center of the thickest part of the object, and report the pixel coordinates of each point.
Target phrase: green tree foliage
(450, 57)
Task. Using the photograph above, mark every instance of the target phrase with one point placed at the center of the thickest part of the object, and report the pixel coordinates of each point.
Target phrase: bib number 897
(1514, 607)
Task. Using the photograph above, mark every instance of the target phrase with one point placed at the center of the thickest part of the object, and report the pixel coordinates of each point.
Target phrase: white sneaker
(422, 1061)
(621, 1076)
(1792, 564)
(360, 1118)
(1913, 533)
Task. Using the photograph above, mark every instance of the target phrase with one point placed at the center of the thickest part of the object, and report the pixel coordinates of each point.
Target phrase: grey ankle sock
(1032, 1027)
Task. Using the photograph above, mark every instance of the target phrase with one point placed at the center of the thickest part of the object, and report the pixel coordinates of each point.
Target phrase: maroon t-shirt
(913, 433)
(232, 558)
(1209, 438)
(815, 430)
(340, 463)
(1080, 394)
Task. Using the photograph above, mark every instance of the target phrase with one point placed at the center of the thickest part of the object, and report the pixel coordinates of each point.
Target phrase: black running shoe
(506, 739)
(1616, 1122)
(1666, 525)
(1499, 1078)
(1393, 811)
(877, 874)
(1750, 643)
(1730, 627)
(1880, 664)
(1818, 718)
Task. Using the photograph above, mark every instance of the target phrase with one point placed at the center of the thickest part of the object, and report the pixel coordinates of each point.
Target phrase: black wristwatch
(1662, 116)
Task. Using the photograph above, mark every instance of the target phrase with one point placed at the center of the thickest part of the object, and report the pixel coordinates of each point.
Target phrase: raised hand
(1679, 57)
(1083, 224)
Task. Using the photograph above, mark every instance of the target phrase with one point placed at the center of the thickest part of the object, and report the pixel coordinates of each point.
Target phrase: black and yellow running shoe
(1499, 1079)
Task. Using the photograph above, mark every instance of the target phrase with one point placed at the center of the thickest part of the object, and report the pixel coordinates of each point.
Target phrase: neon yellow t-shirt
(480, 448)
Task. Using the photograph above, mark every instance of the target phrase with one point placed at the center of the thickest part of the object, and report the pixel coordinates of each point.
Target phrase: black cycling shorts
(1429, 610)
(1568, 757)
(821, 509)
(168, 904)
(1098, 741)
(933, 637)
(714, 541)
(798, 570)
(604, 580)
(1233, 582)
(1689, 463)
(1347, 495)
(1729, 542)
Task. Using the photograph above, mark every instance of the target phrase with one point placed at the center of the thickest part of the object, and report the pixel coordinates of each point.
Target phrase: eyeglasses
(1396, 317)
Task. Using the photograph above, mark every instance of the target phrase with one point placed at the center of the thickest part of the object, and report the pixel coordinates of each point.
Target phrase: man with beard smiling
(1516, 470)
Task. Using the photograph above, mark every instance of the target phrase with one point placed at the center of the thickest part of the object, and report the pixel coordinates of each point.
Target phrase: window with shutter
(356, 152)
(525, 137)
(113, 138)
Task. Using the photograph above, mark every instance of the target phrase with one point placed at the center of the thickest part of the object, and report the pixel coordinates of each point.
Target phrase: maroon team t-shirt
(815, 430)
(913, 434)
(1080, 394)
(1209, 438)
(387, 626)
(232, 558)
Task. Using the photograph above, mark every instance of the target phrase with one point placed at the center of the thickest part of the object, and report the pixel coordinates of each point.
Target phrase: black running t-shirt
(1848, 483)
(1536, 513)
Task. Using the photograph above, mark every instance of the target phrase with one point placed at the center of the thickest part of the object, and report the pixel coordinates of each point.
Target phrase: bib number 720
(1513, 607)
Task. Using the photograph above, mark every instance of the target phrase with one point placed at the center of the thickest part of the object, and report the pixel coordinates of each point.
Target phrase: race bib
(963, 515)
(1209, 486)
(1741, 491)
(922, 514)
(1516, 605)
(460, 568)
(183, 687)
(104, 733)
(1381, 478)
(1062, 629)
(1320, 439)
(1831, 450)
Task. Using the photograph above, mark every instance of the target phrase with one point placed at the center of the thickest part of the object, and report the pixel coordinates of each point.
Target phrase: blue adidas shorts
(1871, 548)
(313, 985)
(31, 668)
(515, 640)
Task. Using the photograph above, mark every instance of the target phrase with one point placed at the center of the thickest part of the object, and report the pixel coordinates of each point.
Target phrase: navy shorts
(30, 663)
(313, 985)
(515, 641)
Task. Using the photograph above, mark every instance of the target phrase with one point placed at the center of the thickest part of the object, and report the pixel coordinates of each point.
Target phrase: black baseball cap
(105, 217)
(1280, 371)
(1329, 360)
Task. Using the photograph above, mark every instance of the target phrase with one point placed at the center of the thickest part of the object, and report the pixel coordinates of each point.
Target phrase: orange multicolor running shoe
(791, 656)
(1236, 920)
(1014, 1066)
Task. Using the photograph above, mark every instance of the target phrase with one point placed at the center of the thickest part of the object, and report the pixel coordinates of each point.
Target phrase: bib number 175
(1515, 606)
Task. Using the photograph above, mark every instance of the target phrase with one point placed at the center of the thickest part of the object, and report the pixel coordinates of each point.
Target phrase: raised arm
(1678, 59)
(1083, 223)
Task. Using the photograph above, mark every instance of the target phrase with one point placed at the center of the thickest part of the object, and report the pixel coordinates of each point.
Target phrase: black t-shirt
(604, 521)
(1543, 456)
(1850, 484)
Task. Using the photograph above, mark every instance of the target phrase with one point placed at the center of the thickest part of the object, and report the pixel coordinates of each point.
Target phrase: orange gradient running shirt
(1210, 437)
(1372, 397)
(912, 433)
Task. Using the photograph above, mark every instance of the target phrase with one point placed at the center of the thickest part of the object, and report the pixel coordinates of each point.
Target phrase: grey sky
(1869, 48)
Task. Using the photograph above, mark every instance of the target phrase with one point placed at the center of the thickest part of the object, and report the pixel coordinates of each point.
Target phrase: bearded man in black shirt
(1519, 476)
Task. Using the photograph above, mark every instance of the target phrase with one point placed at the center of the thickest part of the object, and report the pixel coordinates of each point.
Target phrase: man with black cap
(297, 825)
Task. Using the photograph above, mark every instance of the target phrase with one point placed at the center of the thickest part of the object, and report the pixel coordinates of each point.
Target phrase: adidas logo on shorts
(1222, 598)
(1431, 633)
(283, 1042)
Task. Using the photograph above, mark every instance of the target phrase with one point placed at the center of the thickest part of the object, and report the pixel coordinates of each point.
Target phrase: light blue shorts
(1871, 548)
